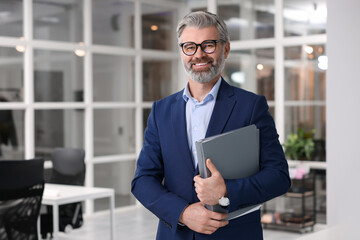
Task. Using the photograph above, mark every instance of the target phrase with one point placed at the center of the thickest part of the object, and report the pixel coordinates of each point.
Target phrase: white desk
(71, 194)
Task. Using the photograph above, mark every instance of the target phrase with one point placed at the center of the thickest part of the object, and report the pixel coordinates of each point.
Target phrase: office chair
(21, 190)
(69, 169)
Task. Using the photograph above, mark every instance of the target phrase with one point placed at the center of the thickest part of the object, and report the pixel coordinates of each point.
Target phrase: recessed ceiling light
(308, 49)
(259, 67)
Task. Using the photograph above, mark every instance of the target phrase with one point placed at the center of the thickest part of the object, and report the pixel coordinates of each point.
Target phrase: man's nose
(199, 52)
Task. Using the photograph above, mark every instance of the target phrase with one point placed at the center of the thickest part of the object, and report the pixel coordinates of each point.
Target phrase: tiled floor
(137, 223)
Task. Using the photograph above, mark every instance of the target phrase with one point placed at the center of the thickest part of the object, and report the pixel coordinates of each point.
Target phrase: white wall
(343, 116)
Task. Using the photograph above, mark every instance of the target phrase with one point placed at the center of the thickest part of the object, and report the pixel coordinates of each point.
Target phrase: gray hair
(203, 19)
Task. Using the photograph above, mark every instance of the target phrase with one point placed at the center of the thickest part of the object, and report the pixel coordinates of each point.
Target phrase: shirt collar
(213, 93)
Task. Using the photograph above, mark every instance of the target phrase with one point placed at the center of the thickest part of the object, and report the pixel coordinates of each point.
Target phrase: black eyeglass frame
(199, 45)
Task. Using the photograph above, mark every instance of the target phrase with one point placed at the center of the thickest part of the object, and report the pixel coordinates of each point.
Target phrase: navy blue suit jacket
(163, 180)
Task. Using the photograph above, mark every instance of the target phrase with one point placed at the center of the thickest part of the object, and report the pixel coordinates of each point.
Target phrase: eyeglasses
(207, 46)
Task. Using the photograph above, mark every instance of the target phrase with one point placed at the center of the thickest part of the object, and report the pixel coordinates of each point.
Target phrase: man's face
(204, 67)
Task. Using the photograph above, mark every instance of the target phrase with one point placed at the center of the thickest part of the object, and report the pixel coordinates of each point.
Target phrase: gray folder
(235, 154)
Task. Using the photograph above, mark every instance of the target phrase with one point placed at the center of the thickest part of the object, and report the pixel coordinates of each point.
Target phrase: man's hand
(201, 220)
(210, 190)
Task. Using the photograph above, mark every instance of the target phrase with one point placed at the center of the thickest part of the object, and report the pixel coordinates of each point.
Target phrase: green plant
(299, 145)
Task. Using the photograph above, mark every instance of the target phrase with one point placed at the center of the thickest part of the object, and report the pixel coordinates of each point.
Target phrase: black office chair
(21, 190)
(69, 169)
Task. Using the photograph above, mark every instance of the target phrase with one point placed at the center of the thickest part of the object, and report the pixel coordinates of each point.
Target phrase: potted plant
(300, 145)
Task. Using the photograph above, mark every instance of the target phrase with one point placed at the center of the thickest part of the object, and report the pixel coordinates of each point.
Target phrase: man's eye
(191, 47)
(208, 45)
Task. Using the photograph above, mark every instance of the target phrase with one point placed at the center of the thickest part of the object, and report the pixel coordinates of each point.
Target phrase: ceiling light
(323, 62)
(260, 67)
(154, 27)
(308, 49)
(80, 52)
(20, 48)
(320, 49)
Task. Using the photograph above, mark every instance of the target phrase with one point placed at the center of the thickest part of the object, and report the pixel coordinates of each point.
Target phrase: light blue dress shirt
(198, 116)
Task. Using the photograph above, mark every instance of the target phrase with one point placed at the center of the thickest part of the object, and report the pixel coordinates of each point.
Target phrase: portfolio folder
(236, 155)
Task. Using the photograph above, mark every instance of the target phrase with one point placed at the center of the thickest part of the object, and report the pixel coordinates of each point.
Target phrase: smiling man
(167, 178)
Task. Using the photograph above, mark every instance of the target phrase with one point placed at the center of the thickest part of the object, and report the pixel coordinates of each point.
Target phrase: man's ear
(227, 50)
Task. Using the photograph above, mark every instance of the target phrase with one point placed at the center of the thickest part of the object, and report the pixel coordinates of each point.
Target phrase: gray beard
(208, 76)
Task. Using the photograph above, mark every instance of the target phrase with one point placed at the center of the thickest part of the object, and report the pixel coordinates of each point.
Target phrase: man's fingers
(211, 166)
(219, 224)
(218, 216)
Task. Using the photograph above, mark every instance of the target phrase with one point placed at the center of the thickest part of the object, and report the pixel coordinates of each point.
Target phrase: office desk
(71, 194)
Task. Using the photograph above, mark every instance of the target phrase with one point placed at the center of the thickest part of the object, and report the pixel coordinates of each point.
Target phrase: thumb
(211, 166)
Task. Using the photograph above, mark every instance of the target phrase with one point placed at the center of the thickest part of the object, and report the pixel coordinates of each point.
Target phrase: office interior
(84, 74)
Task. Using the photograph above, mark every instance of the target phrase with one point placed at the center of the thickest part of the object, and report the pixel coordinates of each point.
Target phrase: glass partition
(11, 74)
(159, 79)
(303, 17)
(248, 19)
(158, 27)
(11, 134)
(58, 76)
(118, 176)
(272, 112)
(58, 128)
(11, 20)
(113, 78)
(312, 120)
(252, 70)
(114, 131)
(113, 22)
(146, 114)
(305, 72)
(58, 20)
(305, 88)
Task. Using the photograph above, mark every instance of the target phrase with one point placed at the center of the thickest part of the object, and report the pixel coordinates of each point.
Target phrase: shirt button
(195, 128)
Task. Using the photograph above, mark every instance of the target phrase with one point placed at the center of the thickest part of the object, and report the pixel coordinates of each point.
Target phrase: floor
(137, 223)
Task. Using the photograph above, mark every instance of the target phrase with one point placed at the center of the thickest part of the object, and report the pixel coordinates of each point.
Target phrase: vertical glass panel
(11, 74)
(308, 118)
(113, 22)
(11, 18)
(198, 5)
(117, 176)
(305, 72)
(11, 134)
(114, 131)
(303, 17)
(199, 8)
(146, 114)
(252, 70)
(58, 128)
(113, 78)
(158, 27)
(248, 19)
(159, 79)
(58, 76)
(58, 20)
(272, 112)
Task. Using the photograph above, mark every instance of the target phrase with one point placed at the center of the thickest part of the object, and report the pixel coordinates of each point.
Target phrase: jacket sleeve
(273, 178)
(147, 185)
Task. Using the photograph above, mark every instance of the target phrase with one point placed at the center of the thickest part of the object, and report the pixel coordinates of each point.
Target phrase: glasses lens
(208, 46)
(189, 48)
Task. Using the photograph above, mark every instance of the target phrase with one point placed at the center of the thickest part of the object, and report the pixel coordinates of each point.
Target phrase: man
(166, 179)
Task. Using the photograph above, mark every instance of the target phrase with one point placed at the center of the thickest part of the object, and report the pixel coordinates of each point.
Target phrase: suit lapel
(222, 109)
(178, 119)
